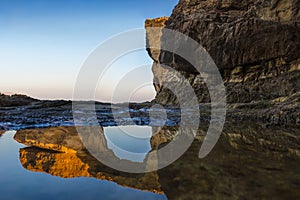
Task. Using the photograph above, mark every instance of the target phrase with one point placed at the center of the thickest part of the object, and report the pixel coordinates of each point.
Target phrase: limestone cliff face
(153, 39)
(255, 44)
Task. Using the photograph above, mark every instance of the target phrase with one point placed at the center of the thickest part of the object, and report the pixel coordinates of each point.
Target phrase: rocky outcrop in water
(255, 44)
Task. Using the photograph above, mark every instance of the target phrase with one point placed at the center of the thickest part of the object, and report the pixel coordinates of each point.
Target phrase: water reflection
(129, 142)
(1, 132)
(60, 152)
(248, 162)
(58, 182)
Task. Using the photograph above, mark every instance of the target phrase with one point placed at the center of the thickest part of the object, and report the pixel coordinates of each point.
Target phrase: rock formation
(255, 44)
(15, 100)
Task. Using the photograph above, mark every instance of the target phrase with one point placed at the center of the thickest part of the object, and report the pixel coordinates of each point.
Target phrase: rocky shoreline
(42, 114)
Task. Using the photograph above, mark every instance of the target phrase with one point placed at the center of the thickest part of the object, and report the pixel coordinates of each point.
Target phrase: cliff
(255, 45)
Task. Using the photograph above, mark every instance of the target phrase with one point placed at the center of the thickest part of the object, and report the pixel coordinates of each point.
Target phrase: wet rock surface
(281, 111)
(38, 114)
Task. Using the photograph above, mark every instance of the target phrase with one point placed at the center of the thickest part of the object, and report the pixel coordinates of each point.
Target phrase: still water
(249, 161)
(129, 142)
(19, 183)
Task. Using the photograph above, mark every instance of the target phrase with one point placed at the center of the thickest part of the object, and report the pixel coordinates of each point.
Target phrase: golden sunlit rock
(156, 22)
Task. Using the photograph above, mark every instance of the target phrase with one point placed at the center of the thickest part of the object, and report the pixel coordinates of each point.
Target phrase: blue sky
(43, 43)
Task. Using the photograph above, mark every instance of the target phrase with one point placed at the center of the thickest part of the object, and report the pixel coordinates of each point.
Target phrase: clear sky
(43, 43)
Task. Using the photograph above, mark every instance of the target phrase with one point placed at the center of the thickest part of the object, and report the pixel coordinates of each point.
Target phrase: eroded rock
(255, 44)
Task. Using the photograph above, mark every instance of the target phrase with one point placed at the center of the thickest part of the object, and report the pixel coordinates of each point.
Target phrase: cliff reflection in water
(248, 162)
(59, 151)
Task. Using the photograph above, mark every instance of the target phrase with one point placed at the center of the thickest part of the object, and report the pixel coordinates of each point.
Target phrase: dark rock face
(255, 45)
(242, 34)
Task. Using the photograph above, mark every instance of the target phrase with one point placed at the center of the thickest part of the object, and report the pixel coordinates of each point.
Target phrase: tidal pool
(249, 161)
(34, 173)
